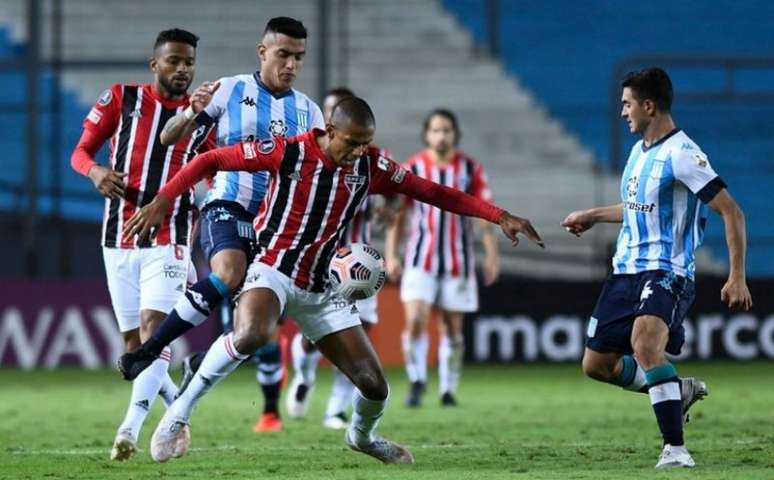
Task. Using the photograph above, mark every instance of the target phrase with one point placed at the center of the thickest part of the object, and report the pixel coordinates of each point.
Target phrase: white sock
(415, 354)
(341, 394)
(144, 390)
(221, 359)
(450, 355)
(304, 363)
(365, 417)
(168, 390)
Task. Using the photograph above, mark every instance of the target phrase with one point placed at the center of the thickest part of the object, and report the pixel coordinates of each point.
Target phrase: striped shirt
(441, 243)
(246, 110)
(664, 188)
(359, 230)
(132, 117)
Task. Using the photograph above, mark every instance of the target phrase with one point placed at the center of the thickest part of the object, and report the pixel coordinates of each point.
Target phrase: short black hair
(651, 84)
(353, 110)
(340, 92)
(175, 35)
(287, 26)
(447, 114)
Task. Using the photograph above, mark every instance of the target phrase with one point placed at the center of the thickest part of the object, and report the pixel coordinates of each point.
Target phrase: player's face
(281, 59)
(440, 135)
(634, 112)
(349, 143)
(173, 63)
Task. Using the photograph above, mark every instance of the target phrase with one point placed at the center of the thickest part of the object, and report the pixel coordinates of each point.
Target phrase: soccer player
(305, 355)
(666, 186)
(247, 107)
(145, 276)
(439, 262)
(318, 181)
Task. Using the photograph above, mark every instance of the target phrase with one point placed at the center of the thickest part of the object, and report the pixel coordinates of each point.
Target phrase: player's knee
(648, 354)
(230, 273)
(249, 337)
(372, 384)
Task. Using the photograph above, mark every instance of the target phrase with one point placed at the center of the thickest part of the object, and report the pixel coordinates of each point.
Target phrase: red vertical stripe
(139, 147)
(454, 219)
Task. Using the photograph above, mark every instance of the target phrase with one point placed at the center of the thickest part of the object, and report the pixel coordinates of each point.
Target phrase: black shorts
(226, 226)
(625, 297)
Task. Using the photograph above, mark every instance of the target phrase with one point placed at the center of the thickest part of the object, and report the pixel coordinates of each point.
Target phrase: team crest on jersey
(105, 97)
(301, 118)
(266, 146)
(632, 186)
(278, 128)
(353, 182)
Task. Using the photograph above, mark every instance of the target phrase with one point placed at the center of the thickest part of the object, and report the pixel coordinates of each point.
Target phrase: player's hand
(491, 270)
(108, 182)
(202, 96)
(394, 268)
(736, 294)
(147, 219)
(512, 226)
(578, 222)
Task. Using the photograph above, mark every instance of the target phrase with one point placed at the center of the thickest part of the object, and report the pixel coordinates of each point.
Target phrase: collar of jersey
(257, 78)
(660, 140)
(165, 101)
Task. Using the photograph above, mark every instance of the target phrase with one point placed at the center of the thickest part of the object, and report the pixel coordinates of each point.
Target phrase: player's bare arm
(512, 226)
(579, 221)
(735, 292)
(183, 123)
(108, 182)
(491, 256)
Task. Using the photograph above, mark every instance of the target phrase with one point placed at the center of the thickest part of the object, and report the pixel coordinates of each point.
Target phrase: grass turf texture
(544, 421)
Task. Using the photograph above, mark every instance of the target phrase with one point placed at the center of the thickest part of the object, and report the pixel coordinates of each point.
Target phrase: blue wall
(564, 52)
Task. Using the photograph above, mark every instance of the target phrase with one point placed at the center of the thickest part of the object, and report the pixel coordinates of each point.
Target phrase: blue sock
(190, 310)
(664, 391)
(270, 373)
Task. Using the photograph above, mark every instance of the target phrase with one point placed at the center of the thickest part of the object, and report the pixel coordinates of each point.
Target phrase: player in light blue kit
(244, 108)
(666, 186)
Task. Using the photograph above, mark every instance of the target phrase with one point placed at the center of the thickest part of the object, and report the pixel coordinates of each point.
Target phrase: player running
(317, 182)
(145, 276)
(665, 188)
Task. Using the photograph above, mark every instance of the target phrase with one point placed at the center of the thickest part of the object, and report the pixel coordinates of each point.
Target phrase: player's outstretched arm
(735, 292)
(184, 123)
(579, 221)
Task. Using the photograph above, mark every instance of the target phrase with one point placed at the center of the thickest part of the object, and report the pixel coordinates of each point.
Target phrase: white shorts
(455, 294)
(317, 314)
(145, 279)
(366, 309)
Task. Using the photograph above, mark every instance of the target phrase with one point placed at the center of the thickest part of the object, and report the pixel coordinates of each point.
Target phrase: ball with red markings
(356, 271)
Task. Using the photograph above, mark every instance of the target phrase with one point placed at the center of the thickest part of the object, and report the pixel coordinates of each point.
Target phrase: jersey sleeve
(480, 185)
(692, 168)
(317, 120)
(98, 126)
(217, 106)
(387, 177)
(247, 156)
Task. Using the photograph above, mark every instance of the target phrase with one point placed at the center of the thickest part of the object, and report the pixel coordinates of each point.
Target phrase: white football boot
(171, 438)
(675, 457)
(124, 446)
(382, 449)
(298, 397)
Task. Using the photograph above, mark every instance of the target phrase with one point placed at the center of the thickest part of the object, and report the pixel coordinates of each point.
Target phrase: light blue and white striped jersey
(245, 109)
(663, 216)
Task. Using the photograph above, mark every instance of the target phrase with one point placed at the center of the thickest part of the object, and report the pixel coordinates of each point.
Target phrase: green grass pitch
(536, 422)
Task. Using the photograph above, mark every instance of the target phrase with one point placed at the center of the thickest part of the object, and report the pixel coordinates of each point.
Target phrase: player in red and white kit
(317, 181)
(439, 265)
(145, 277)
(305, 355)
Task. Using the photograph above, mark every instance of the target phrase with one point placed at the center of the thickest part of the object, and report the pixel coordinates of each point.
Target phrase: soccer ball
(356, 271)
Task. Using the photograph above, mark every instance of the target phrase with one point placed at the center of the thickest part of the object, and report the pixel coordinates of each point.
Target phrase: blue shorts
(226, 226)
(625, 297)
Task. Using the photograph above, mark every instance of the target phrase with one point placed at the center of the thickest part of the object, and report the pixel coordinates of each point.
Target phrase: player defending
(318, 181)
(305, 355)
(665, 187)
(440, 266)
(145, 277)
(244, 108)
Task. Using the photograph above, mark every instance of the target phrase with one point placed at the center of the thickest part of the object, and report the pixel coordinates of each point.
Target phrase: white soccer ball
(356, 271)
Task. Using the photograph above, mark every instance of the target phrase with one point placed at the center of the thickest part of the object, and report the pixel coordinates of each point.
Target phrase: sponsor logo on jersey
(248, 151)
(640, 207)
(248, 101)
(398, 175)
(175, 271)
(105, 98)
(266, 146)
(94, 116)
(295, 176)
(136, 113)
(278, 128)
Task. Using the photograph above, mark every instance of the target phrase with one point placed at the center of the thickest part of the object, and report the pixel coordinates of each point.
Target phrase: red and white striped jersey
(132, 117)
(359, 229)
(311, 200)
(440, 242)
